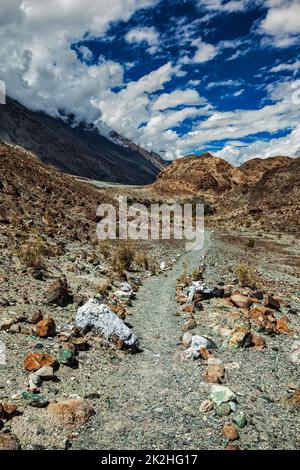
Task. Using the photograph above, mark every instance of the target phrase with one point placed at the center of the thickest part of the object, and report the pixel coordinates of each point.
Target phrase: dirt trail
(153, 398)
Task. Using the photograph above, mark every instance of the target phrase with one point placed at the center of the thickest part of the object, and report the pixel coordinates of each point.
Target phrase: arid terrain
(203, 351)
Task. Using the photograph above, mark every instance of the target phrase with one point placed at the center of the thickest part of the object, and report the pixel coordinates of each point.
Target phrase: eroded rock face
(101, 320)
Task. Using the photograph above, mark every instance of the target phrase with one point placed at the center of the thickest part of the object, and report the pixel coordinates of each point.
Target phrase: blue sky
(177, 77)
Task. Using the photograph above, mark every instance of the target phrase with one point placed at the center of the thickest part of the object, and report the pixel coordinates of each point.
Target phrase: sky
(177, 77)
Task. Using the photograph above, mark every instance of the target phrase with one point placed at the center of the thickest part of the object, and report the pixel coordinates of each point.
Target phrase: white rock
(197, 343)
(125, 287)
(162, 266)
(295, 357)
(100, 319)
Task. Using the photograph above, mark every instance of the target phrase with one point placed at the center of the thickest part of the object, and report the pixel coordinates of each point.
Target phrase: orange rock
(214, 374)
(35, 360)
(205, 354)
(46, 328)
(258, 342)
(188, 308)
(70, 413)
(189, 325)
(260, 310)
(232, 447)
(230, 433)
(282, 325)
(8, 408)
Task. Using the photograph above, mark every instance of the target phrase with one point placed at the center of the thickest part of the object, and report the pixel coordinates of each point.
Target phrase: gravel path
(153, 396)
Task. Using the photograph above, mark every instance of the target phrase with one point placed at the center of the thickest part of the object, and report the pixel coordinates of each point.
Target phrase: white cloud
(176, 98)
(224, 83)
(225, 6)
(148, 35)
(292, 67)
(238, 92)
(282, 146)
(37, 62)
(205, 51)
(282, 23)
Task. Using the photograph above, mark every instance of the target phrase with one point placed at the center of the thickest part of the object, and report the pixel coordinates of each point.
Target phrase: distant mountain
(202, 173)
(79, 150)
(262, 193)
(255, 168)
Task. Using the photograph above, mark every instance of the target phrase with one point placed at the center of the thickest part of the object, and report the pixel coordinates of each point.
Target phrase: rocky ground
(159, 398)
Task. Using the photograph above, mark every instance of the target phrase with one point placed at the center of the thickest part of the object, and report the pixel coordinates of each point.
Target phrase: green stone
(223, 410)
(66, 356)
(239, 419)
(38, 401)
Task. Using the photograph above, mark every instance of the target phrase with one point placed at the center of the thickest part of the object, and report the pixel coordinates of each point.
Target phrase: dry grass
(103, 286)
(104, 248)
(184, 278)
(247, 275)
(122, 257)
(142, 260)
(32, 252)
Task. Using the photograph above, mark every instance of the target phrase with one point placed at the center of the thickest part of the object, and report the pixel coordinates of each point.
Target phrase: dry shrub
(104, 248)
(153, 266)
(247, 275)
(122, 257)
(141, 259)
(103, 286)
(32, 252)
(184, 278)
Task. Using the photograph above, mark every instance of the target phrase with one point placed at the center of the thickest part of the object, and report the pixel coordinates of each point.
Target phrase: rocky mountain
(205, 173)
(260, 193)
(37, 197)
(256, 167)
(79, 150)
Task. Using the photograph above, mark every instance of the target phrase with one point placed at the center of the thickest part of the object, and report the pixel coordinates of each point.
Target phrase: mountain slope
(256, 167)
(38, 197)
(204, 173)
(78, 151)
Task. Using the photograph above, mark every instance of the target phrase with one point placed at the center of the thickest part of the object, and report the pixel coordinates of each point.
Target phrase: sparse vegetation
(184, 278)
(103, 286)
(142, 260)
(122, 257)
(32, 252)
(251, 243)
(247, 275)
(104, 248)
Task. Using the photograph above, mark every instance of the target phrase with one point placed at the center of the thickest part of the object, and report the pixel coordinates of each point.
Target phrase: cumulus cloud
(36, 59)
(281, 24)
(148, 35)
(205, 51)
(237, 154)
(176, 98)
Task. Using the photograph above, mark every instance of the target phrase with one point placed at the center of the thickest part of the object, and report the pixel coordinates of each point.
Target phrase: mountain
(79, 150)
(38, 197)
(204, 173)
(256, 167)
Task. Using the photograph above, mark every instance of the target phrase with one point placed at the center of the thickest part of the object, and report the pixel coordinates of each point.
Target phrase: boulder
(230, 433)
(220, 394)
(35, 360)
(9, 442)
(214, 374)
(70, 413)
(241, 301)
(101, 320)
(58, 293)
(271, 302)
(46, 328)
